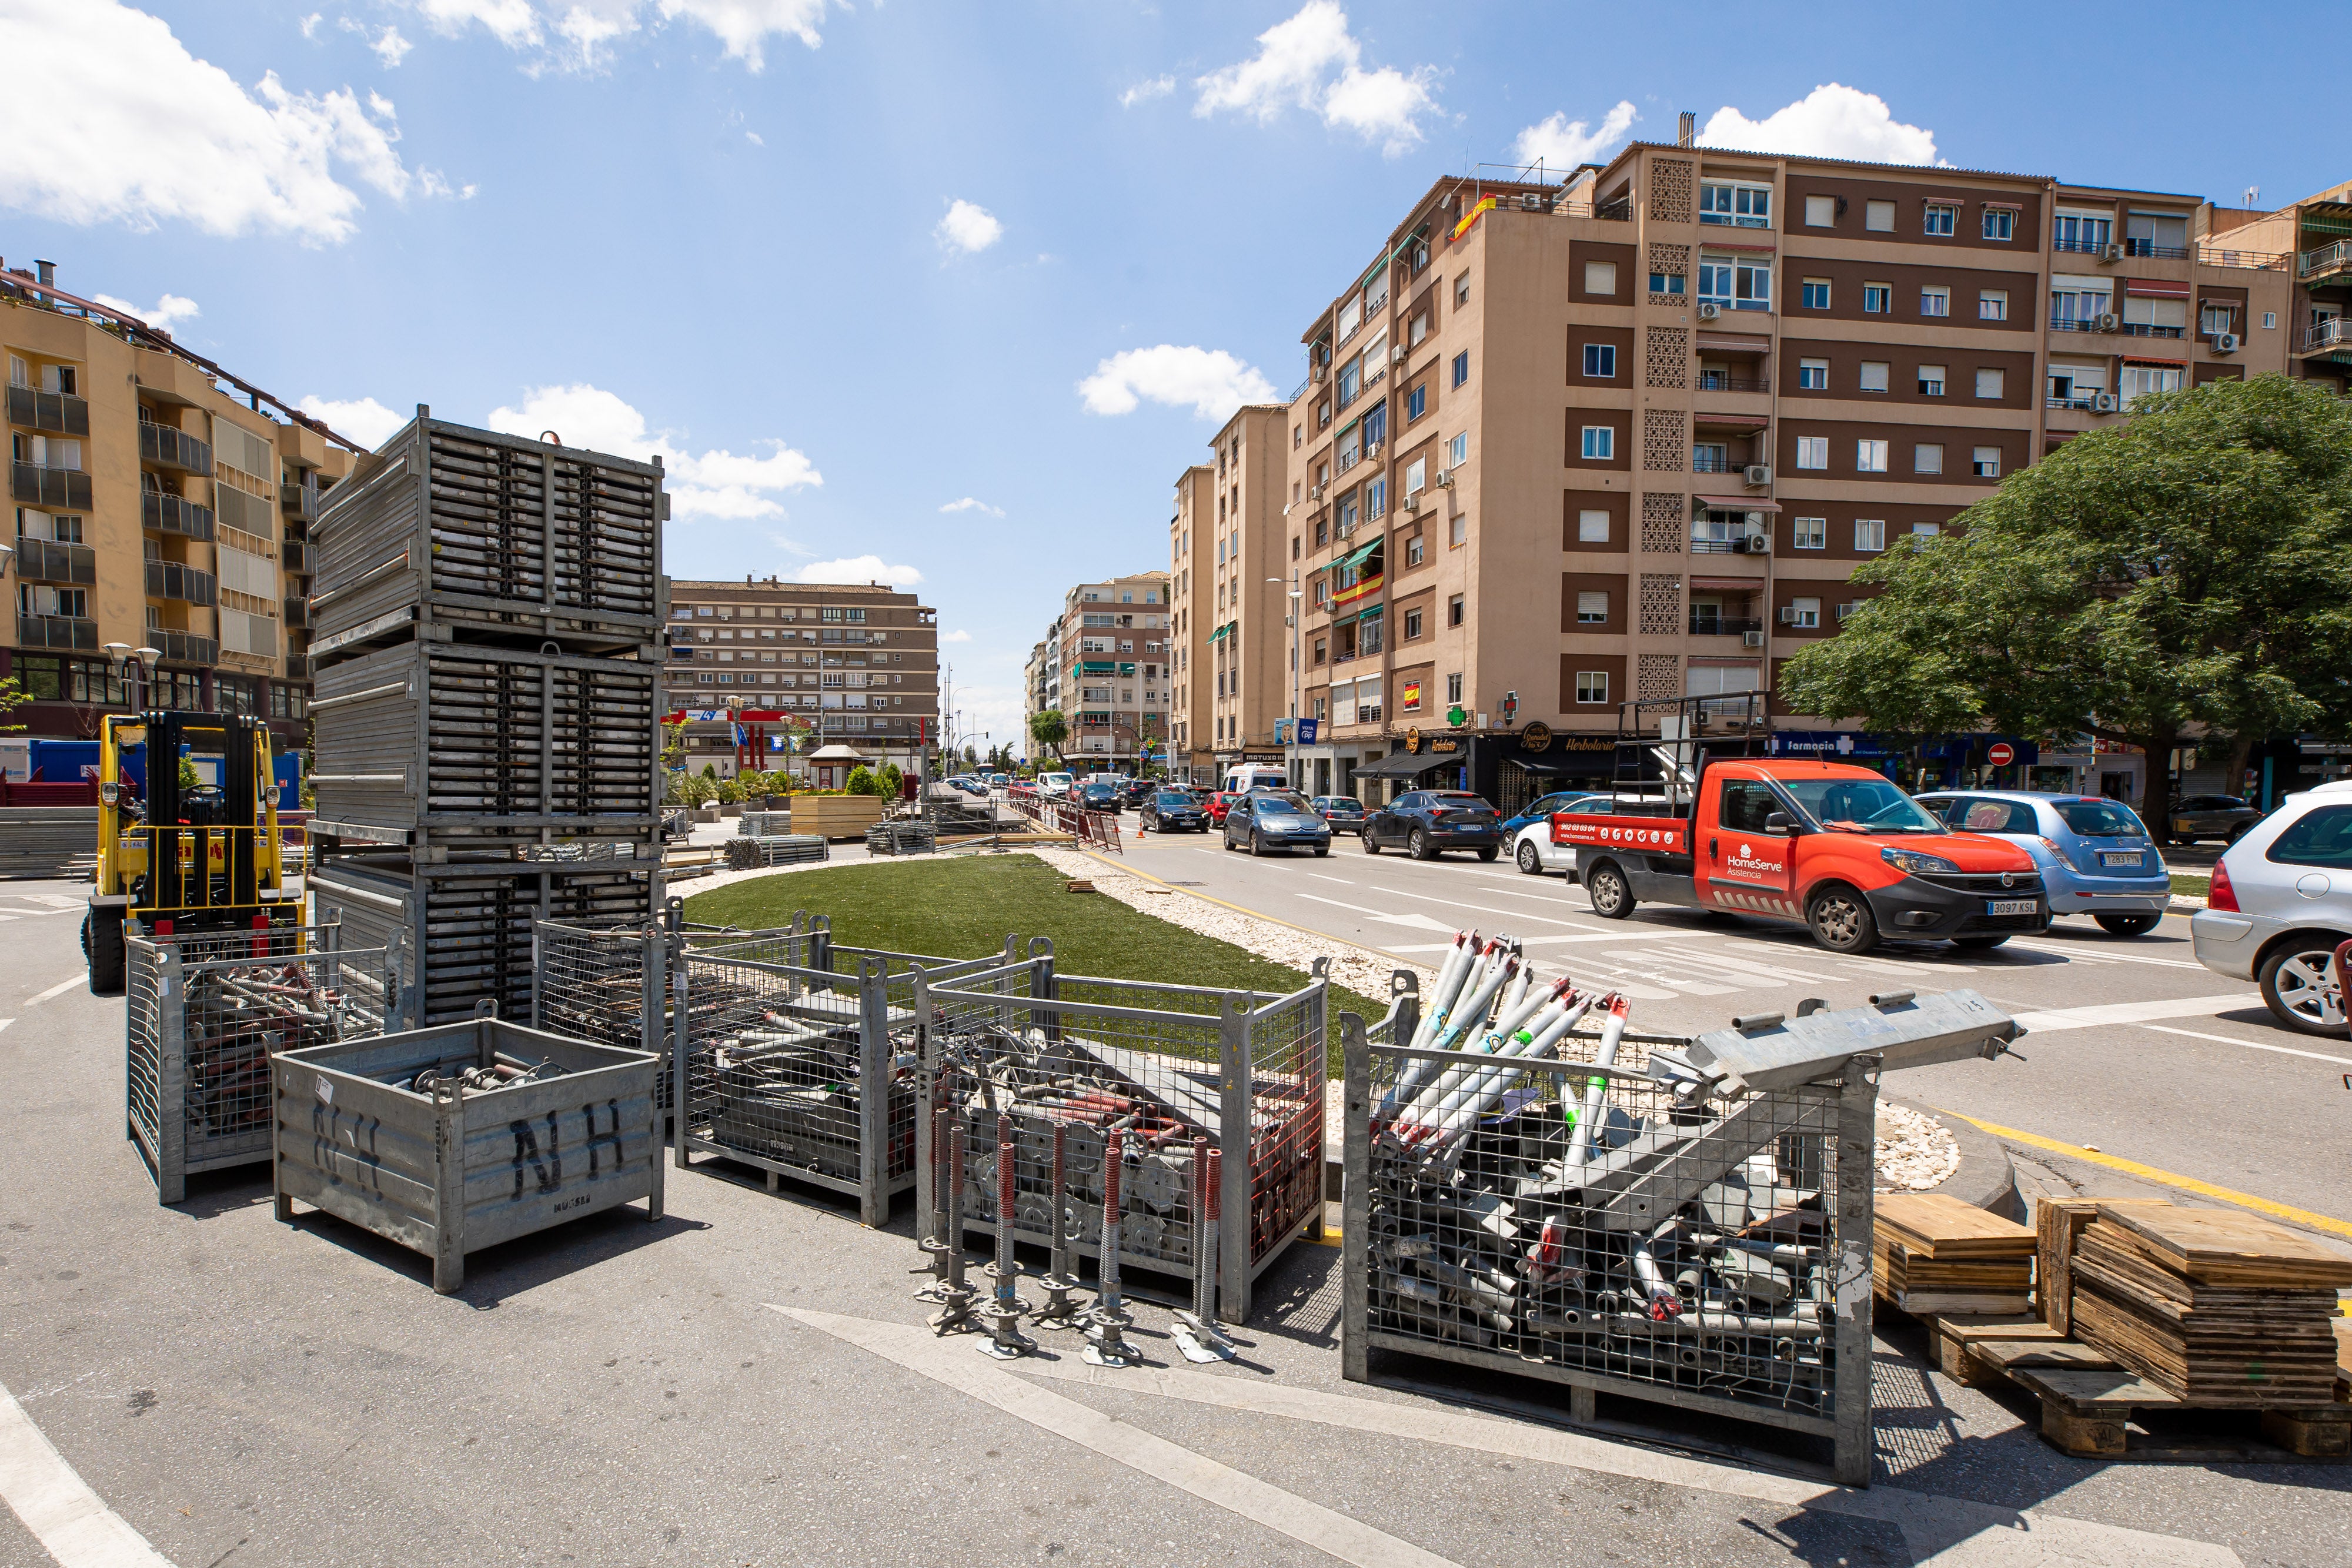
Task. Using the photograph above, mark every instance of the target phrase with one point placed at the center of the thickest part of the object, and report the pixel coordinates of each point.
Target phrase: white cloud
(165, 312)
(711, 484)
(112, 119)
(755, 139)
(1560, 143)
(1214, 381)
(1157, 86)
(968, 228)
(388, 44)
(512, 22)
(367, 421)
(860, 568)
(310, 25)
(578, 33)
(1313, 62)
(955, 636)
(1830, 121)
(970, 505)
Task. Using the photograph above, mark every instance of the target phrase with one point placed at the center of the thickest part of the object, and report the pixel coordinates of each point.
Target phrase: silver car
(2281, 903)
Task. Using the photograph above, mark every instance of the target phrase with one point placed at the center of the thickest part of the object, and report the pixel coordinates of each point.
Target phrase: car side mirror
(1778, 822)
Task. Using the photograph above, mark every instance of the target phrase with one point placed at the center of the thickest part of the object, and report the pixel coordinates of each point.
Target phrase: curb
(1986, 1179)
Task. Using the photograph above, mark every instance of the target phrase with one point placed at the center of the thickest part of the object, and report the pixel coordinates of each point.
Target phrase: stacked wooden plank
(1935, 1254)
(2214, 1306)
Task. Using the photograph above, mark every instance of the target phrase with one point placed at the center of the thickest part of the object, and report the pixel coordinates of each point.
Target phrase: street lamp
(140, 666)
(1297, 765)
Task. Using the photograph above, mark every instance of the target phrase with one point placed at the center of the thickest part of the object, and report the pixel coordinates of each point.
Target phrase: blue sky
(850, 265)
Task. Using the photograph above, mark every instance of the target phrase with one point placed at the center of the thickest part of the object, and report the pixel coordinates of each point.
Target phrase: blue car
(2096, 855)
(1265, 819)
(1541, 809)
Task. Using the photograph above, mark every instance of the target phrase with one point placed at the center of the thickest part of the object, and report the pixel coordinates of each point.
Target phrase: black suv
(1171, 812)
(1099, 797)
(1428, 823)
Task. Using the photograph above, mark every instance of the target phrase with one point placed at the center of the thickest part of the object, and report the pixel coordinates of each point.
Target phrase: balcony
(170, 579)
(2210, 255)
(68, 632)
(2155, 252)
(2081, 246)
(298, 666)
(2328, 334)
(1722, 626)
(37, 485)
(183, 647)
(1737, 545)
(168, 448)
(1718, 381)
(300, 502)
(298, 555)
(60, 414)
(1716, 462)
(2123, 328)
(298, 610)
(172, 515)
(2084, 401)
(2328, 263)
(43, 561)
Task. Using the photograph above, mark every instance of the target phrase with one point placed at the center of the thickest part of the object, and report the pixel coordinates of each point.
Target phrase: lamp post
(1294, 764)
(138, 664)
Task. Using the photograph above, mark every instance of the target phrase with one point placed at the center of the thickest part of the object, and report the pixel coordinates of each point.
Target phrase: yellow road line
(2166, 1178)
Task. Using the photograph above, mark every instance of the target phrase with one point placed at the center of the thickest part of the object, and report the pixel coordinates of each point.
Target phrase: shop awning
(1373, 612)
(1739, 503)
(1405, 764)
(1099, 667)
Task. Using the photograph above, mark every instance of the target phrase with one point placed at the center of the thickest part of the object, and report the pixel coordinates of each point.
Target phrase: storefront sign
(1413, 741)
(1446, 746)
(1536, 740)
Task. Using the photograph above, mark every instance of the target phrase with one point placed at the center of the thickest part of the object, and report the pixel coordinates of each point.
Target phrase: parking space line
(2251, 1044)
(2135, 1012)
(72, 1523)
(1487, 909)
(2104, 956)
(57, 990)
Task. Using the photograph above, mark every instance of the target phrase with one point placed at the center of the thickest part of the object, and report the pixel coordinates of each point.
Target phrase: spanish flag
(1468, 218)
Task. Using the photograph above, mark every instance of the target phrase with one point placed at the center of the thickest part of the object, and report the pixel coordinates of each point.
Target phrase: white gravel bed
(1914, 1152)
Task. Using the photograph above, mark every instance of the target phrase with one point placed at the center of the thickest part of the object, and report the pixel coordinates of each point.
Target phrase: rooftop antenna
(2253, 195)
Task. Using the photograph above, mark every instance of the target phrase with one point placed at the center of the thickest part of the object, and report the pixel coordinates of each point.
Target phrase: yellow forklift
(178, 857)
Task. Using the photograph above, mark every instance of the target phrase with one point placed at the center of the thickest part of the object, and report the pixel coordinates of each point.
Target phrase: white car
(2279, 904)
(1533, 852)
(1053, 786)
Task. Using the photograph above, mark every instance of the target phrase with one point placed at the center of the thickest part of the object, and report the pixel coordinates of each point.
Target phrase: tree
(673, 745)
(861, 781)
(2189, 569)
(1049, 729)
(12, 697)
(891, 776)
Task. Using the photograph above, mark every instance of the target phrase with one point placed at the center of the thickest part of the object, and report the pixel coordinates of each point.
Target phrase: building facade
(154, 504)
(1113, 663)
(1563, 446)
(1033, 686)
(1192, 559)
(765, 672)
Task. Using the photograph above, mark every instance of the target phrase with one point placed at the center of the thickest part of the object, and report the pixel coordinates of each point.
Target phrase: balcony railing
(45, 560)
(183, 647)
(299, 501)
(172, 515)
(298, 555)
(2326, 259)
(170, 579)
(1619, 211)
(37, 485)
(1712, 381)
(2210, 254)
(2127, 328)
(1718, 547)
(1722, 626)
(2328, 334)
(1350, 459)
(169, 448)
(2084, 246)
(2078, 401)
(71, 632)
(1714, 463)
(2149, 248)
(297, 610)
(60, 414)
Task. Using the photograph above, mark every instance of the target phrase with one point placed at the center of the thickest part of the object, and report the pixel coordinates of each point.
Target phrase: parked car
(2280, 904)
(1427, 822)
(1219, 803)
(1344, 812)
(1171, 812)
(2095, 856)
(1099, 795)
(2223, 817)
(1540, 809)
(1532, 850)
(1269, 819)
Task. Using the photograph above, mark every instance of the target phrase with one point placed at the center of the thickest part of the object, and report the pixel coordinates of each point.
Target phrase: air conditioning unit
(1371, 451)
(2225, 342)
(1788, 615)
(1847, 609)
(1757, 544)
(2107, 322)
(1396, 355)
(1752, 639)
(1708, 310)
(1446, 478)
(2102, 403)
(1758, 473)
(1530, 202)
(1413, 502)
(1316, 374)
(1316, 492)
(2113, 252)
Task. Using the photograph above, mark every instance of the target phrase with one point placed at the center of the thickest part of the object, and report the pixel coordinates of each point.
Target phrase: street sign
(2000, 754)
(1455, 717)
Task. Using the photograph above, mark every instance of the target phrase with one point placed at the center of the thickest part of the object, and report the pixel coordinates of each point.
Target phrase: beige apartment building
(1562, 446)
(1039, 685)
(1111, 678)
(154, 504)
(1232, 579)
(753, 665)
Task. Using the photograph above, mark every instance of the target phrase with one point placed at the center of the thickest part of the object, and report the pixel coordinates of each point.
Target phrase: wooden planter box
(835, 816)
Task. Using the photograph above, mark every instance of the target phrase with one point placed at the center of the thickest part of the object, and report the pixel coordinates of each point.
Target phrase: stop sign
(2000, 754)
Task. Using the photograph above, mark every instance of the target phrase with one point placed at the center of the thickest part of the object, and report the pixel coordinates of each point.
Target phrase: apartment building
(766, 672)
(155, 505)
(1191, 557)
(1562, 446)
(1111, 645)
(1232, 575)
(1033, 686)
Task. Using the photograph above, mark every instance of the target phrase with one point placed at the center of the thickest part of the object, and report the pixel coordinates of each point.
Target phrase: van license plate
(2011, 907)
(2119, 857)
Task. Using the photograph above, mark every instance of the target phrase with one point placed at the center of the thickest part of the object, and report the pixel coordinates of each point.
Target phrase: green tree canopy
(2190, 567)
(1049, 729)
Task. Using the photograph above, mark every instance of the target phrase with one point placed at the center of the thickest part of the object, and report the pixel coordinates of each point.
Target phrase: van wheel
(1613, 897)
(1530, 862)
(2129, 924)
(1842, 920)
(2298, 982)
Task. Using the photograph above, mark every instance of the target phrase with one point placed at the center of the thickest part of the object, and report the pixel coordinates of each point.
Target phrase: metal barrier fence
(606, 984)
(1590, 1225)
(1098, 830)
(204, 1014)
(1166, 1064)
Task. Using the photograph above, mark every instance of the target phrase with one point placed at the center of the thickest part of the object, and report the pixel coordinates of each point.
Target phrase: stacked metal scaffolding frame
(1164, 1066)
(488, 664)
(206, 1012)
(748, 853)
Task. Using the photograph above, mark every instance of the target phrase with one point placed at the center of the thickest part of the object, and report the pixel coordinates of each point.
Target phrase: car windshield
(1450, 800)
(1170, 798)
(2100, 820)
(1860, 806)
(1267, 801)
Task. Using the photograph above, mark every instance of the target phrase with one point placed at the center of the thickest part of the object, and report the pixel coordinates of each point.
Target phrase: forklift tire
(1611, 895)
(1841, 919)
(102, 944)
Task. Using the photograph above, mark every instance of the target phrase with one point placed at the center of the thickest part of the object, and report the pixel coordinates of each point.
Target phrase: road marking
(1237, 909)
(2251, 1044)
(1319, 876)
(1418, 922)
(952, 1361)
(5, 1022)
(57, 990)
(69, 1521)
(1487, 909)
(59, 900)
(2137, 1012)
(2103, 955)
(2163, 1177)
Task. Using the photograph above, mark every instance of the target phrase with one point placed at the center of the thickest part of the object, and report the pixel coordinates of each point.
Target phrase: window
(1735, 283)
(1462, 291)
(1873, 376)
(1592, 528)
(1600, 278)
(1351, 379)
(1454, 618)
(1805, 613)
(1931, 380)
(1461, 367)
(1600, 442)
(2321, 837)
(1934, 300)
(1810, 533)
(1593, 609)
(2161, 317)
(1418, 330)
(1927, 457)
(1322, 649)
(1987, 460)
(1993, 304)
(1409, 696)
(2212, 318)
(1416, 402)
(2000, 223)
(1878, 216)
(1941, 218)
(1601, 360)
(1412, 624)
(1989, 383)
(1739, 205)
(1414, 551)
(1457, 451)
(2270, 321)
(2139, 381)
(1591, 686)
(2156, 234)
(2080, 231)
(1927, 530)
(1813, 375)
(1877, 298)
(1667, 283)
(1816, 294)
(2078, 301)
(1870, 533)
(1461, 530)
(1870, 457)
(1813, 452)
(1821, 211)
(1376, 500)
(1416, 476)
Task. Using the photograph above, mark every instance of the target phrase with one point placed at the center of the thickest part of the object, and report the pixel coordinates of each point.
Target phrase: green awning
(1219, 634)
(1127, 669)
(1348, 426)
(1372, 614)
(1358, 556)
(1098, 667)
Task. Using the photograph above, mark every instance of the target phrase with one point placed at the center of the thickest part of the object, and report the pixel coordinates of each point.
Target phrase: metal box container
(451, 1170)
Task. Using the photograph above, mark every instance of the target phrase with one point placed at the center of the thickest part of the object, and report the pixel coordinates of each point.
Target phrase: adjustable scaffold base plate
(1200, 1341)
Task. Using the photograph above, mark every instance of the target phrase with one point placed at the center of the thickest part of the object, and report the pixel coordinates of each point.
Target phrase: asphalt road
(243, 1392)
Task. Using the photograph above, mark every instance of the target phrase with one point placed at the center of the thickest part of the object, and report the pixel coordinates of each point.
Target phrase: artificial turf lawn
(964, 908)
